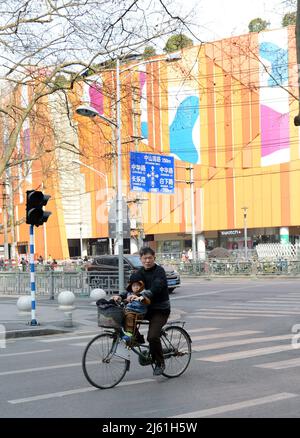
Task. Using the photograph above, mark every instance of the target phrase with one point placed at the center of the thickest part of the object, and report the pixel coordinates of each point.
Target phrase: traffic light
(35, 200)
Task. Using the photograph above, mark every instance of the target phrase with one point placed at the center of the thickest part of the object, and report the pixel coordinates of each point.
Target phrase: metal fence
(51, 283)
(215, 268)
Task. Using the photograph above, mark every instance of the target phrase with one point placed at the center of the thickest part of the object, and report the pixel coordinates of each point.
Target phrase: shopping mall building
(224, 111)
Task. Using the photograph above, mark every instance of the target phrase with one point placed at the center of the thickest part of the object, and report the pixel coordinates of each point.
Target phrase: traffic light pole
(32, 277)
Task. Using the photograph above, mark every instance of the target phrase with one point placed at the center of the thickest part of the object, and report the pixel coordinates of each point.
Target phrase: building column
(201, 247)
(284, 235)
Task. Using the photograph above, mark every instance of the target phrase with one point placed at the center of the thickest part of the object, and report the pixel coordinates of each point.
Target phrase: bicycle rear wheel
(101, 367)
(177, 350)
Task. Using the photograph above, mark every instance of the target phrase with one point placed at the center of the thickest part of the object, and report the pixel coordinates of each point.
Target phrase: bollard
(66, 300)
(97, 294)
(24, 306)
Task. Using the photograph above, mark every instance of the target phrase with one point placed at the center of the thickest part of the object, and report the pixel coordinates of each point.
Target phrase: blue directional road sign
(151, 173)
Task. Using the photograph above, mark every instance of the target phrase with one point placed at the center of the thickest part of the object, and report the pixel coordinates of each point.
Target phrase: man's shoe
(158, 370)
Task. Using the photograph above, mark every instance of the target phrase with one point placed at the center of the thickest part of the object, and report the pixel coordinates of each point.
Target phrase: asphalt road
(244, 363)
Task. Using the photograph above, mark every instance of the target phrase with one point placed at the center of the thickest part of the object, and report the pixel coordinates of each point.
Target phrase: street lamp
(88, 111)
(245, 209)
(103, 175)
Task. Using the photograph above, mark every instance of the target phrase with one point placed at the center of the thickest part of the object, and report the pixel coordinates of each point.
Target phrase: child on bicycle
(135, 309)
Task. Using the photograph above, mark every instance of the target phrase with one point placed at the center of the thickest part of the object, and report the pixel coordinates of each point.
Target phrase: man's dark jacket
(156, 286)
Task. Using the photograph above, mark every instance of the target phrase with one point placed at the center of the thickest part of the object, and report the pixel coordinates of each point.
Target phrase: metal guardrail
(211, 268)
(51, 283)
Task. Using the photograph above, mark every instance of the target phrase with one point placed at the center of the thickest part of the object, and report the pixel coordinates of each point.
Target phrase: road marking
(237, 406)
(214, 317)
(254, 310)
(234, 313)
(23, 353)
(277, 302)
(225, 335)
(69, 338)
(183, 297)
(72, 392)
(247, 353)
(205, 329)
(260, 309)
(49, 367)
(233, 343)
(282, 299)
(270, 305)
(280, 365)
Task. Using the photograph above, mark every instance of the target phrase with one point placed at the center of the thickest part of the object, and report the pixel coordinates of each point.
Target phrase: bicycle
(106, 358)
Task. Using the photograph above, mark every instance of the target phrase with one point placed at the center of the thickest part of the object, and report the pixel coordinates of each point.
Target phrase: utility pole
(245, 209)
(192, 182)
(297, 118)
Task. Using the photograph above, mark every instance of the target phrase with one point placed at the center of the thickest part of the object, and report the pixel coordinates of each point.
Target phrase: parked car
(110, 263)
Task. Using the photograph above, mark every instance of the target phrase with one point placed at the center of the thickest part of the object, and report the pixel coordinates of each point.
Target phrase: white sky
(219, 19)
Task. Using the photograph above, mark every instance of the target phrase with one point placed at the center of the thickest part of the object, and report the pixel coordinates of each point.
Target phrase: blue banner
(151, 173)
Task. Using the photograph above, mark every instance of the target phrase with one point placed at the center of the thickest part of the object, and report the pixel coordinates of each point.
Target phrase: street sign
(151, 173)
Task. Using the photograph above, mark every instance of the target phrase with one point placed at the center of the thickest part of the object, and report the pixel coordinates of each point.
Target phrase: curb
(34, 331)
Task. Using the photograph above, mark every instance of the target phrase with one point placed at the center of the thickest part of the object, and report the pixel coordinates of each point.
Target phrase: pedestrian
(156, 285)
(53, 264)
(190, 255)
(23, 264)
(184, 256)
(40, 260)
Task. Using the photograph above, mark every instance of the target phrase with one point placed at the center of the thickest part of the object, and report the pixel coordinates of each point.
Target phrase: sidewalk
(51, 320)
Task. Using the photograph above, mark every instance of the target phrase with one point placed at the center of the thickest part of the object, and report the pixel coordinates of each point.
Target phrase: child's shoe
(127, 336)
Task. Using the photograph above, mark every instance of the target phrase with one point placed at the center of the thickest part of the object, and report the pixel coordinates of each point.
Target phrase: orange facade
(226, 107)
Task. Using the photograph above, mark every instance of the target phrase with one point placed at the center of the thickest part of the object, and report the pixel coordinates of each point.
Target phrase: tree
(258, 25)
(48, 46)
(289, 18)
(46, 49)
(177, 42)
(149, 51)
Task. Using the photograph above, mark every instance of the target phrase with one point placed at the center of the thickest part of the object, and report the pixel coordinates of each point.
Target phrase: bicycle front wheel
(177, 350)
(101, 367)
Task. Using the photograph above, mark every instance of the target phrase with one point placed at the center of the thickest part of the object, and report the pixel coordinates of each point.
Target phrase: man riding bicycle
(156, 289)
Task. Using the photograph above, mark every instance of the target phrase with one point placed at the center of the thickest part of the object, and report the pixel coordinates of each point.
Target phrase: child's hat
(135, 278)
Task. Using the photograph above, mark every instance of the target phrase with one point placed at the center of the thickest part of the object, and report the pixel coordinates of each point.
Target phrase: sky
(217, 19)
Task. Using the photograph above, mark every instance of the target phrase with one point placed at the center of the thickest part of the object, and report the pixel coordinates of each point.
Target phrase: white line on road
(225, 335)
(237, 406)
(183, 297)
(204, 329)
(215, 317)
(234, 313)
(49, 367)
(260, 309)
(233, 343)
(280, 365)
(69, 338)
(246, 354)
(72, 392)
(23, 353)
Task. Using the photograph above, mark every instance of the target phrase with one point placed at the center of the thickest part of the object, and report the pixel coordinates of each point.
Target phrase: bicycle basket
(110, 316)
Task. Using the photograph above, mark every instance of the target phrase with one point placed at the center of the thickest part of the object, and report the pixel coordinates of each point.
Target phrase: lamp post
(245, 209)
(89, 111)
(103, 175)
